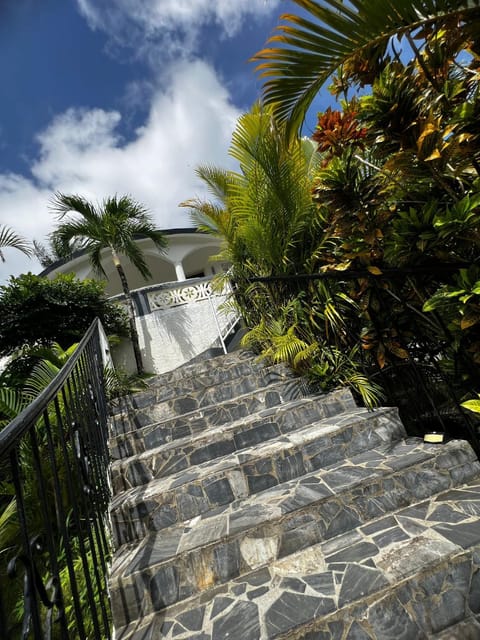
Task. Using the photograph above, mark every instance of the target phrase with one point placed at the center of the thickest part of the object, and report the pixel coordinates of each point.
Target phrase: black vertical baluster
(92, 430)
(75, 426)
(80, 510)
(31, 617)
(3, 617)
(99, 435)
(62, 516)
(51, 538)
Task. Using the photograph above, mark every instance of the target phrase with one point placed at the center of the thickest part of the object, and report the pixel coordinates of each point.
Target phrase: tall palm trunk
(131, 312)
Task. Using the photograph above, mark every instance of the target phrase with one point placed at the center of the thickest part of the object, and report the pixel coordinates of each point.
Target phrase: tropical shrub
(395, 230)
(399, 193)
(399, 182)
(273, 229)
(37, 311)
(8, 238)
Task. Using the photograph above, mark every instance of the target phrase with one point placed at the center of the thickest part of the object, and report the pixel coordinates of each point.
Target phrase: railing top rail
(19, 425)
(347, 274)
(174, 284)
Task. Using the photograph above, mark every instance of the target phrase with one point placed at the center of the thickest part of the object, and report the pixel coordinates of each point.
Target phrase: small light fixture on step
(434, 437)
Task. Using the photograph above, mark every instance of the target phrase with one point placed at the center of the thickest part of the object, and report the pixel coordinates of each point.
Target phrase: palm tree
(115, 225)
(264, 213)
(355, 33)
(9, 238)
(271, 226)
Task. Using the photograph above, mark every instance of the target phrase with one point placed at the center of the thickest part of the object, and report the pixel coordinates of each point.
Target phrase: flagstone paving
(307, 517)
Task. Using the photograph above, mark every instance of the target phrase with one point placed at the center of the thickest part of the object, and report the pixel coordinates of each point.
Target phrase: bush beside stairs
(246, 507)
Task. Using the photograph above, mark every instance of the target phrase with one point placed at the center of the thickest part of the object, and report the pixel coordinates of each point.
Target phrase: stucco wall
(171, 337)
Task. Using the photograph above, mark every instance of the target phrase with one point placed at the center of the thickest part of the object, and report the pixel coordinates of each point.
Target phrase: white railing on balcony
(184, 293)
(160, 298)
(224, 314)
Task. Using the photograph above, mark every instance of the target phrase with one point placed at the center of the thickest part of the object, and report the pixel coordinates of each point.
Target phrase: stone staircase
(247, 508)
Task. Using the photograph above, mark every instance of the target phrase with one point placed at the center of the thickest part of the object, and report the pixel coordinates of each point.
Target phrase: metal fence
(54, 495)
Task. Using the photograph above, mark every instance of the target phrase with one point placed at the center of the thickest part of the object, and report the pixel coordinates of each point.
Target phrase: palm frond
(94, 250)
(135, 255)
(8, 526)
(149, 231)
(63, 204)
(216, 179)
(119, 383)
(370, 392)
(116, 224)
(40, 377)
(305, 53)
(286, 347)
(206, 216)
(12, 402)
(8, 238)
(70, 233)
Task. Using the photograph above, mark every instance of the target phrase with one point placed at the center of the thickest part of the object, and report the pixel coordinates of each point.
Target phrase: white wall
(171, 337)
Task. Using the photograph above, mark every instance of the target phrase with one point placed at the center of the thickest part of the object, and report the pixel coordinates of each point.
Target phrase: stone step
(285, 416)
(412, 574)
(217, 386)
(235, 400)
(209, 485)
(186, 559)
(161, 454)
(193, 378)
(198, 371)
(468, 629)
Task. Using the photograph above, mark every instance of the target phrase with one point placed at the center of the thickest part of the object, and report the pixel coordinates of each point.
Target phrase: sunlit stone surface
(247, 507)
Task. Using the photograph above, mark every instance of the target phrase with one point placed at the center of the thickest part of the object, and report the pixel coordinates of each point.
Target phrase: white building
(179, 314)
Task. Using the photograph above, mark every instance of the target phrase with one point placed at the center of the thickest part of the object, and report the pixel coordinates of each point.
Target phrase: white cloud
(81, 152)
(173, 25)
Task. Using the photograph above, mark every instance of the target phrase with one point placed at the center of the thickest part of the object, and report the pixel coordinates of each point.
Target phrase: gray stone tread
(204, 367)
(322, 428)
(287, 416)
(189, 408)
(301, 513)
(230, 443)
(253, 513)
(409, 577)
(215, 483)
(468, 629)
(194, 377)
(205, 390)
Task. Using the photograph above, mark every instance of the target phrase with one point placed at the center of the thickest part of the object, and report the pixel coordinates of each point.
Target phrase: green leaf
(303, 53)
(472, 405)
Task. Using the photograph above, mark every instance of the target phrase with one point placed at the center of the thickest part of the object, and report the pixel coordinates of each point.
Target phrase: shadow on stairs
(247, 509)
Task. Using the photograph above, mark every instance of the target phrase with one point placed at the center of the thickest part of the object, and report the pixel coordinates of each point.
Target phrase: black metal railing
(54, 495)
(421, 367)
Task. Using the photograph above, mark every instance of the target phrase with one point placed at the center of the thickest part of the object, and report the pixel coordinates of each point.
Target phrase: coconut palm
(306, 52)
(114, 225)
(8, 238)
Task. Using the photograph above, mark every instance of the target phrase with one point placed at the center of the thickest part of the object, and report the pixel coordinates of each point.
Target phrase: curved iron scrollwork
(35, 590)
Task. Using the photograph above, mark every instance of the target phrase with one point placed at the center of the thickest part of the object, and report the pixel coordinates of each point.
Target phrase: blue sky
(121, 96)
